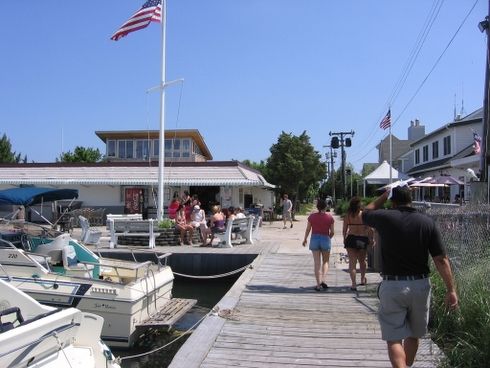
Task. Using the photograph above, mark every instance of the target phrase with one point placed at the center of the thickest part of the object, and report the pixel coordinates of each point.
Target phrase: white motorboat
(35, 335)
(57, 270)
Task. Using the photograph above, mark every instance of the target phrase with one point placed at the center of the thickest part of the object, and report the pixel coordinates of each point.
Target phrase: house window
(142, 149)
(156, 148)
(186, 148)
(417, 156)
(447, 145)
(425, 153)
(435, 150)
(125, 149)
(111, 148)
(176, 152)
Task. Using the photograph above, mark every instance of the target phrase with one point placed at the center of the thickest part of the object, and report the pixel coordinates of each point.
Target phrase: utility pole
(484, 27)
(344, 141)
(331, 156)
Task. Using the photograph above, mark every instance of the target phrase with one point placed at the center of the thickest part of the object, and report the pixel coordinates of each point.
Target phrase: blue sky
(251, 69)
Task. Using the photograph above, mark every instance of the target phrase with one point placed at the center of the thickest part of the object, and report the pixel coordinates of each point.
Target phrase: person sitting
(182, 225)
(198, 221)
(217, 222)
(173, 206)
(239, 213)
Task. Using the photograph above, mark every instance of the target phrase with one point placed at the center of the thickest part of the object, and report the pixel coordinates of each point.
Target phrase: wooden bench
(118, 227)
(242, 227)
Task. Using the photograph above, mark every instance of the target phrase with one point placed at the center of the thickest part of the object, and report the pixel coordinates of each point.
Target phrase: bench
(242, 227)
(117, 228)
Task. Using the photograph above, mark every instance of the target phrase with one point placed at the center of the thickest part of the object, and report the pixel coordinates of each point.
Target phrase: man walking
(406, 237)
(287, 207)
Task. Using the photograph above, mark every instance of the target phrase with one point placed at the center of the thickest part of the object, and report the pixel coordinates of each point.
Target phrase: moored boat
(35, 335)
(60, 271)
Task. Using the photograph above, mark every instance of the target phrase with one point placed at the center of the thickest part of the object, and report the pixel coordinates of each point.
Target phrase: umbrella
(446, 180)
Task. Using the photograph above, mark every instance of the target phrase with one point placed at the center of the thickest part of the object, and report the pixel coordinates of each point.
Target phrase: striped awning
(232, 175)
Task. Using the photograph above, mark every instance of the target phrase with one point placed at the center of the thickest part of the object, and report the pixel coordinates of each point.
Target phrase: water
(207, 292)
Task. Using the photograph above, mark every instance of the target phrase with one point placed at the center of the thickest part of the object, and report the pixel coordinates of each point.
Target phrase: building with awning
(127, 180)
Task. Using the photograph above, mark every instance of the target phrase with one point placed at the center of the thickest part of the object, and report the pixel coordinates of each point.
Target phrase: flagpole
(391, 150)
(161, 154)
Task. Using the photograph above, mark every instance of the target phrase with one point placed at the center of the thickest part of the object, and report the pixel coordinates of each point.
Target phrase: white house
(449, 151)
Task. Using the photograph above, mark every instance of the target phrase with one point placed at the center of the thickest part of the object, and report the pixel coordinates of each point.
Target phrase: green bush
(464, 335)
(166, 223)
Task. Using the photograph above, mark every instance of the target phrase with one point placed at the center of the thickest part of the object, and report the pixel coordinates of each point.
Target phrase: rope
(120, 359)
(216, 276)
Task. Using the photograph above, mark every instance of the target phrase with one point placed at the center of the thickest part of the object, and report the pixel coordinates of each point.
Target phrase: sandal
(318, 288)
(364, 281)
(324, 286)
(353, 289)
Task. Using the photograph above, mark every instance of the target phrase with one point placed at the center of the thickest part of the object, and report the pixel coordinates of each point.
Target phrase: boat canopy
(29, 196)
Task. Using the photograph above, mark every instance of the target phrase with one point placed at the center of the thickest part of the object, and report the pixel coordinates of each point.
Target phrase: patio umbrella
(446, 180)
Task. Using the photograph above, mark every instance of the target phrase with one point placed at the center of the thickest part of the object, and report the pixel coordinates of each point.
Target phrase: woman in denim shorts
(321, 226)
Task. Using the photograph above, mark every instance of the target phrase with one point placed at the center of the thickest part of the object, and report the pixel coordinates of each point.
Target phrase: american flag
(386, 122)
(151, 11)
(476, 143)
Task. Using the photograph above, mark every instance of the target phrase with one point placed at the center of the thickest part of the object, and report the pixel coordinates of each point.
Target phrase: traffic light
(348, 142)
(335, 142)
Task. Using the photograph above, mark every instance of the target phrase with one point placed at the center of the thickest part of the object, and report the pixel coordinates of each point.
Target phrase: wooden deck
(272, 317)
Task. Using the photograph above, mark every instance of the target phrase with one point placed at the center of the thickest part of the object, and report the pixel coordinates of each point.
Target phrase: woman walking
(357, 237)
(321, 226)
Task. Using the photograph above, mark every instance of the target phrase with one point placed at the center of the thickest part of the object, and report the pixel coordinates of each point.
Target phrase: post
(484, 27)
(161, 152)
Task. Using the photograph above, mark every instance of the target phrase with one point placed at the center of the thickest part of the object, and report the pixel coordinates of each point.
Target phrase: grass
(464, 335)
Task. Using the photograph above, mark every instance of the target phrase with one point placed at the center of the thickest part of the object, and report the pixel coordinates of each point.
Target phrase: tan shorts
(404, 309)
(286, 216)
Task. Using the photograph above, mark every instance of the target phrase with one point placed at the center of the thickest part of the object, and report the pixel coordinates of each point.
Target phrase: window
(111, 148)
(186, 148)
(176, 152)
(142, 149)
(425, 153)
(417, 156)
(447, 145)
(125, 149)
(435, 150)
(156, 148)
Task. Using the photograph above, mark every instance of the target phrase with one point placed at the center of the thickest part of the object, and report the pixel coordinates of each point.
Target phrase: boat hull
(121, 306)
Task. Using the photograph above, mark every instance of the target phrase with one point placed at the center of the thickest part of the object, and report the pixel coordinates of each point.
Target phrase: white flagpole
(161, 154)
(391, 150)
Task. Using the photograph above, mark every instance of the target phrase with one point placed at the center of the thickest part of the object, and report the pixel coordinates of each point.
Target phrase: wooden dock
(272, 317)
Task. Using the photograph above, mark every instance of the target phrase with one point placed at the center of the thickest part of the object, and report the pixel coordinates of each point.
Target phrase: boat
(35, 335)
(60, 271)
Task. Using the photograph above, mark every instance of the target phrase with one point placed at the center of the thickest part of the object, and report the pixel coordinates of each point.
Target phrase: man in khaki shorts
(406, 237)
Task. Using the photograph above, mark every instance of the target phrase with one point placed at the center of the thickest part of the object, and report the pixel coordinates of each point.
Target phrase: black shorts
(356, 242)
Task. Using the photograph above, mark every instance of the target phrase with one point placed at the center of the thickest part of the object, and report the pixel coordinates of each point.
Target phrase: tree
(295, 166)
(259, 166)
(6, 154)
(81, 154)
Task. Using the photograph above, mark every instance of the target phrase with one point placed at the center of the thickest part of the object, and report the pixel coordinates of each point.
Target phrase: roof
(217, 173)
(155, 134)
(382, 174)
(475, 116)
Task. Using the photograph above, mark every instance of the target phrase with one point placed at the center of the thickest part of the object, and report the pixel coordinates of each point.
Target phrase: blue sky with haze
(251, 68)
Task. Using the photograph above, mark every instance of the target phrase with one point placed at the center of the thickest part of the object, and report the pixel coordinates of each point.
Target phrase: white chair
(72, 265)
(88, 236)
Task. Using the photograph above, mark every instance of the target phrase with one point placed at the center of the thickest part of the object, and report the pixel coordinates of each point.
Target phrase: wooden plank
(277, 320)
(169, 314)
